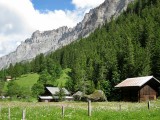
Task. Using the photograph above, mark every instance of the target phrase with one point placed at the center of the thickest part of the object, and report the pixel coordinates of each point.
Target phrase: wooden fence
(89, 110)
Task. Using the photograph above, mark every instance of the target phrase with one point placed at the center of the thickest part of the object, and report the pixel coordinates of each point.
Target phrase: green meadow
(78, 111)
(27, 80)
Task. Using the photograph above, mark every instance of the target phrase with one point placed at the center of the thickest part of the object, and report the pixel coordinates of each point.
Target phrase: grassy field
(78, 111)
(26, 81)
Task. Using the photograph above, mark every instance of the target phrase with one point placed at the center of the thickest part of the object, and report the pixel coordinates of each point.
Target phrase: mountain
(48, 41)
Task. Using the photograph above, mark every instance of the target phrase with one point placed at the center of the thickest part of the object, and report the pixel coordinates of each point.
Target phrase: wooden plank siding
(147, 93)
(139, 94)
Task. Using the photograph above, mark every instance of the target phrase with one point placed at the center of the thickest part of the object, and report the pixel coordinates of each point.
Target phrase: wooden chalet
(51, 94)
(139, 88)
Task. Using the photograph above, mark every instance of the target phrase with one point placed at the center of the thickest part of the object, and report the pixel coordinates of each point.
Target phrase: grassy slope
(26, 81)
(29, 80)
(63, 78)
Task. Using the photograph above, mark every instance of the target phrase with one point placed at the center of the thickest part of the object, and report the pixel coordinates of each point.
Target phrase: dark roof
(136, 82)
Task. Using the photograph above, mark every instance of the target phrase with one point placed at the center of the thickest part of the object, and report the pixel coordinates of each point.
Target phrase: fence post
(149, 105)
(23, 114)
(0, 111)
(9, 113)
(62, 111)
(89, 108)
(120, 107)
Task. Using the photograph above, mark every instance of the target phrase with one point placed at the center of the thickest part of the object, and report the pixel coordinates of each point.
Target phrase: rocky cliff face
(47, 41)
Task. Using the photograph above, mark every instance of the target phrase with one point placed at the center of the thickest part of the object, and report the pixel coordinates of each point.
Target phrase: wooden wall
(136, 94)
(147, 93)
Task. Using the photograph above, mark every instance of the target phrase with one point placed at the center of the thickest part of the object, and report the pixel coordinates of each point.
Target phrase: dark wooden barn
(139, 89)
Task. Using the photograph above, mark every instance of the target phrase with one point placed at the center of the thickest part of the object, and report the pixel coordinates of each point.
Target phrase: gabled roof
(54, 90)
(136, 82)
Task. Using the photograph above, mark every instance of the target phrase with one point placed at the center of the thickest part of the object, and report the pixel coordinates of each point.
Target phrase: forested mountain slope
(51, 40)
(126, 47)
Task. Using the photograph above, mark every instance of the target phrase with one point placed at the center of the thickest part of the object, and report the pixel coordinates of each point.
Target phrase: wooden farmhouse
(139, 88)
(51, 94)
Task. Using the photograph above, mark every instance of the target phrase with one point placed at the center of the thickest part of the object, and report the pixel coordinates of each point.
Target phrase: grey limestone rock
(48, 41)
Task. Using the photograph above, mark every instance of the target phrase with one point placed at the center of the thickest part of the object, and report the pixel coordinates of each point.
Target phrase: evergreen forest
(127, 46)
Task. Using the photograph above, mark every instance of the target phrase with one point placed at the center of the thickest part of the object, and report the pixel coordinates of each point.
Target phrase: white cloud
(87, 3)
(19, 20)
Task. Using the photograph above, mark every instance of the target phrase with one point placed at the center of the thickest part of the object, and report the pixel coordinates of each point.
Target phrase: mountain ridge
(48, 41)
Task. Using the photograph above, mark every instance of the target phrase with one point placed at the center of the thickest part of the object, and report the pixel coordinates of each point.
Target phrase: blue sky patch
(43, 5)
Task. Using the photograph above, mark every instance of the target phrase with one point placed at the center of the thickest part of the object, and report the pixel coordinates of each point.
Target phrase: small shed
(51, 94)
(139, 88)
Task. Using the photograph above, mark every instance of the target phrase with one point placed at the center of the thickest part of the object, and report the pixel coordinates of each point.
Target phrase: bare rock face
(48, 41)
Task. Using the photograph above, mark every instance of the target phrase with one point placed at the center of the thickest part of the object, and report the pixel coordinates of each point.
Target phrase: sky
(20, 18)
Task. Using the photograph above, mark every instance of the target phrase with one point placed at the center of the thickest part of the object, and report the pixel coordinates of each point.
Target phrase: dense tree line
(128, 46)
(48, 70)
